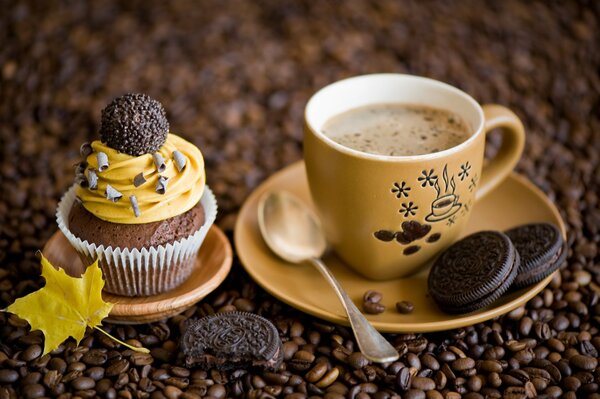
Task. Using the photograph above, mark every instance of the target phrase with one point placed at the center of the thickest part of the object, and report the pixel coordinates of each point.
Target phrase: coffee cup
(387, 215)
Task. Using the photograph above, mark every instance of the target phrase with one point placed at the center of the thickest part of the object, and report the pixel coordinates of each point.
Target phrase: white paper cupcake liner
(141, 272)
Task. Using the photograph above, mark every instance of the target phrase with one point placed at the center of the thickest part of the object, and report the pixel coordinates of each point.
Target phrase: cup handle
(513, 141)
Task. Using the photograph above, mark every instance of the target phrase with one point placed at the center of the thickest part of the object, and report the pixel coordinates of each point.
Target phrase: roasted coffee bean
(463, 364)
(583, 362)
(416, 345)
(328, 378)
(475, 383)
(33, 391)
(31, 353)
(372, 296)
(8, 376)
(94, 357)
(425, 384)
(440, 380)
(429, 361)
(489, 366)
(405, 307)
(414, 394)
(317, 372)
(117, 367)
(141, 359)
(403, 379)
(82, 383)
(357, 360)
(373, 307)
(542, 330)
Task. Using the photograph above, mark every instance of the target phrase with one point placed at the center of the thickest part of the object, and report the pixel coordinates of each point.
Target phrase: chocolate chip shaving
(139, 179)
(112, 194)
(134, 205)
(80, 167)
(85, 150)
(161, 184)
(81, 180)
(92, 179)
(159, 162)
(134, 124)
(180, 160)
(102, 161)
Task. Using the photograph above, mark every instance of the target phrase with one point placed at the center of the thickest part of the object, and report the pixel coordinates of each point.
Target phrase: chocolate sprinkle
(92, 179)
(102, 161)
(80, 168)
(135, 124)
(161, 184)
(81, 180)
(139, 179)
(112, 194)
(134, 205)
(159, 162)
(85, 150)
(180, 160)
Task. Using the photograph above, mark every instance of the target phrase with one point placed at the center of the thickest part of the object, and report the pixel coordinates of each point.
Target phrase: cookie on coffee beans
(542, 251)
(473, 272)
(232, 340)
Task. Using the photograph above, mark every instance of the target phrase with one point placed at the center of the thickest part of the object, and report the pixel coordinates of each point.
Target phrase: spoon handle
(370, 342)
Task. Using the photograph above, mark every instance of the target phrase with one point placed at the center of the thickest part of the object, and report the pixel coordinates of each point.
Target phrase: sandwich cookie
(232, 340)
(473, 272)
(542, 251)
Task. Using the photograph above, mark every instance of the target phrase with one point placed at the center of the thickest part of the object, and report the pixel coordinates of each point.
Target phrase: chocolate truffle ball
(134, 124)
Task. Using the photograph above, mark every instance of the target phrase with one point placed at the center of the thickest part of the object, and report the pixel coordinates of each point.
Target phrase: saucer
(515, 201)
(212, 266)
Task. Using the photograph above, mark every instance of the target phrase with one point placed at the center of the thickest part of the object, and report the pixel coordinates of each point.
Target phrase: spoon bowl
(290, 228)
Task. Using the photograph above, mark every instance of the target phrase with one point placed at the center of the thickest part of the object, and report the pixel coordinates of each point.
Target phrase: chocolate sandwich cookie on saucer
(542, 251)
(473, 272)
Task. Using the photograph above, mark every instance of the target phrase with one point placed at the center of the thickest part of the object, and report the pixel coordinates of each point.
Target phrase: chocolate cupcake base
(142, 271)
(141, 281)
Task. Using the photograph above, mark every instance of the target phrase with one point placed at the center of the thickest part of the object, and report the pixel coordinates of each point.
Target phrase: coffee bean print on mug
(410, 232)
(443, 208)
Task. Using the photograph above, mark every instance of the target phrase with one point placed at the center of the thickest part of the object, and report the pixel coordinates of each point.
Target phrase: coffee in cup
(397, 129)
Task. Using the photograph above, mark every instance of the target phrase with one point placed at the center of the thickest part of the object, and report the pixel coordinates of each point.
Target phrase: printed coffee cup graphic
(446, 203)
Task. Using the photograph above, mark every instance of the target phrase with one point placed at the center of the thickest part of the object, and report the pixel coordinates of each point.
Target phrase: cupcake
(140, 203)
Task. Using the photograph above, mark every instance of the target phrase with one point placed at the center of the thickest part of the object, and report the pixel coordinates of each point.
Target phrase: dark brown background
(234, 77)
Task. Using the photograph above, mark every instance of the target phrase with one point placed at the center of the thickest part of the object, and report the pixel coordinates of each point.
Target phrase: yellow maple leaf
(65, 306)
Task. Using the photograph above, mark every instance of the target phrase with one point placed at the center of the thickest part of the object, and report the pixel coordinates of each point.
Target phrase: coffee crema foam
(397, 129)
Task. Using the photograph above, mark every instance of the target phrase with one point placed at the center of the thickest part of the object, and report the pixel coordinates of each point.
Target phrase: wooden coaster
(212, 266)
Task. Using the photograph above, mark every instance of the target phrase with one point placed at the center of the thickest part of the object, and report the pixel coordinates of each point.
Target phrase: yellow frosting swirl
(184, 189)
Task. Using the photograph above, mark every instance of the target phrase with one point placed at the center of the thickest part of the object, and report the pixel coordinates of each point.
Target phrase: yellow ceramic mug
(385, 216)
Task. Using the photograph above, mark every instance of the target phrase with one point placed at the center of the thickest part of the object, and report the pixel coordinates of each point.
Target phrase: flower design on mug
(400, 190)
(427, 178)
(466, 208)
(473, 183)
(464, 171)
(409, 209)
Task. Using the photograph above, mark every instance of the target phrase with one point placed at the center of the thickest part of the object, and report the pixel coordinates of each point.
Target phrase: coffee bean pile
(234, 77)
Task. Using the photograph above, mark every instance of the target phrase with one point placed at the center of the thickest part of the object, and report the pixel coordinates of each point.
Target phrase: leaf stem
(141, 350)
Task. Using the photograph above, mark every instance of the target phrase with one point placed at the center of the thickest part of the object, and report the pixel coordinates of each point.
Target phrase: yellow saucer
(515, 201)
(212, 266)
